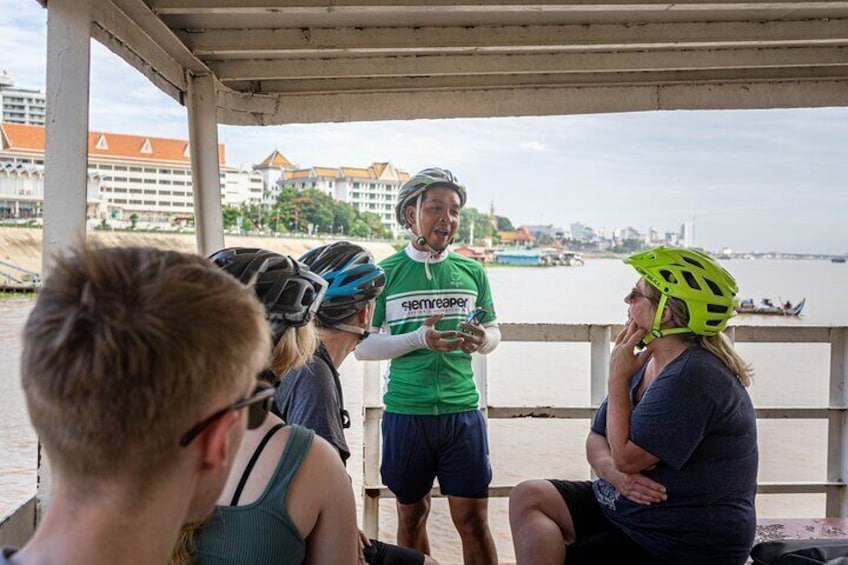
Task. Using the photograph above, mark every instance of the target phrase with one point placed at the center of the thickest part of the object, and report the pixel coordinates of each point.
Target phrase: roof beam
(245, 42)
(247, 109)
(505, 82)
(277, 6)
(156, 31)
(483, 64)
(115, 30)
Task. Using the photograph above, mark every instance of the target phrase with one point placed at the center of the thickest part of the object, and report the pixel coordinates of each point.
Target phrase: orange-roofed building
(520, 237)
(142, 176)
(473, 252)
(371, 189)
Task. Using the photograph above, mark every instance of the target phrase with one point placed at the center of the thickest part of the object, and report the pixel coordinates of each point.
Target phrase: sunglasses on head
(258, 405)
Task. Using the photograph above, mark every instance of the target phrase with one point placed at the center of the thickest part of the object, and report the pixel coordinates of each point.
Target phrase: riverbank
(22, 246)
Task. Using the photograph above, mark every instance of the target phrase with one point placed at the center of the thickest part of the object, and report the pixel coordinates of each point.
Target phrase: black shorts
(597, 539)
(379, 553)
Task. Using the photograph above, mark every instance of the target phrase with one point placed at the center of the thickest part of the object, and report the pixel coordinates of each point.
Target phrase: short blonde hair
(126, 348)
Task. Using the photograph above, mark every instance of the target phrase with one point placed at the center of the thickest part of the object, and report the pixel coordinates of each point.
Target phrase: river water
(558, 374)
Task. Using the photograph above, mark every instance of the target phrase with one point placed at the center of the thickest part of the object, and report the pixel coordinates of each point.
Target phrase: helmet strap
(420, 240)
(656, 327)
(361, 332)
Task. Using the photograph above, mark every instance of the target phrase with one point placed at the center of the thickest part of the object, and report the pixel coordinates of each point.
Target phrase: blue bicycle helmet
(352, 277)
(290, 293)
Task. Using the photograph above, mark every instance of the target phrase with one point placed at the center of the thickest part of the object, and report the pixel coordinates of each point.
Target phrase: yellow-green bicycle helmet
(708, 290)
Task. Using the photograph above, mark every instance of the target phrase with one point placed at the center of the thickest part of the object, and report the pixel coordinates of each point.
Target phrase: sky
(763, 180)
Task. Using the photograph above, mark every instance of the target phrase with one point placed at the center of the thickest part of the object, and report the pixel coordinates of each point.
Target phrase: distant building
(473, 252)
(22, 192)
(20, 105)
(687, 233)
(553, 232)
(518, 238)
(373, 189)
(148, 177)
(582, 233)
(628, 233)
(273, 169)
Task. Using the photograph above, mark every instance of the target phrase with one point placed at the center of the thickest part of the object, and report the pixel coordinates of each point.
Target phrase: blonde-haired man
(139, 369)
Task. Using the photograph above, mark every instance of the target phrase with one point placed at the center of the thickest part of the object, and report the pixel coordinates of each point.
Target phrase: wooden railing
(19, 525)
(599, 337)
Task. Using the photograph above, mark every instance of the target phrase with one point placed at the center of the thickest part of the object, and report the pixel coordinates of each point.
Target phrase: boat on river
(769, 308)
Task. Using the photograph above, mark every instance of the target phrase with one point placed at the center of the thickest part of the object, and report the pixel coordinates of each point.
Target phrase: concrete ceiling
(304, 61)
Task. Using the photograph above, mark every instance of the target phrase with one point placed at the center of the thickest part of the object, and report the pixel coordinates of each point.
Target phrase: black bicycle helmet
(352, 277)
(290, 292)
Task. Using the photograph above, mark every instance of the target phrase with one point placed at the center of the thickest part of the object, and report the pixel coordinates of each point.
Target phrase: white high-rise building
(687, 233)
(21, 105)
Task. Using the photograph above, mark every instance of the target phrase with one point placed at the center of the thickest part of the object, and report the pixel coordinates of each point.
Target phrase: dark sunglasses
(258, 404)
(634, 294)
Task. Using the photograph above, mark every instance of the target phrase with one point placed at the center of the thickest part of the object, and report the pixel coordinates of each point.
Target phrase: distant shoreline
(22, 246)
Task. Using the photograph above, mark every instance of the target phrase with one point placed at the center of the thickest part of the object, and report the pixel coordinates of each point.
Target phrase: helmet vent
(717, 309)
(350, 279)
(694, 262)
(668, 276)
(690, 280)
(714, 287)
(714, 322)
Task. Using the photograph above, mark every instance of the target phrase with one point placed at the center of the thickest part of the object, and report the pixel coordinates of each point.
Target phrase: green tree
(133, 220)
(230, 215)
(627, 246)
(375, 225)
(359, 229)
(482, 226)
(504, 224)
(344, 215)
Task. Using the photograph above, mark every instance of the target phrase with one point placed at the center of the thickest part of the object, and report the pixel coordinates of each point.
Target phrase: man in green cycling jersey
(432, 425)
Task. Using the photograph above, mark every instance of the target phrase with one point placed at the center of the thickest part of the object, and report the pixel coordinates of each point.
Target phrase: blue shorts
(452, 447)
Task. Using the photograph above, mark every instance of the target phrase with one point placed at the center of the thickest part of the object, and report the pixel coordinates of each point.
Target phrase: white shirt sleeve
(491, 341)
(378, 346)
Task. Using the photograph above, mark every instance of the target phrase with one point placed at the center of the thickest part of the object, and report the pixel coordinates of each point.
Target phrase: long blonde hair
(719, 345)
(293, 349)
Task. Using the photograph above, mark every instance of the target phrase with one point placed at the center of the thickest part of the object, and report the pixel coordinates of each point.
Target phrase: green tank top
(261, 532)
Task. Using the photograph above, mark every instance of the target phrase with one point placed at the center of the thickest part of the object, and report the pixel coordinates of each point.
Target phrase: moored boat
(769, 308)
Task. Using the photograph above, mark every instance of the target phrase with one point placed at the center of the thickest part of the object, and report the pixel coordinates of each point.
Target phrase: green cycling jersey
(425, 381)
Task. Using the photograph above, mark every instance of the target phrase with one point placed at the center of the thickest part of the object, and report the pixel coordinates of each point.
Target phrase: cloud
(534, 146)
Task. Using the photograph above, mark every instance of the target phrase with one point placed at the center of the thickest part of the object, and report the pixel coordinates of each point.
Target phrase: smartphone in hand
(473, 317)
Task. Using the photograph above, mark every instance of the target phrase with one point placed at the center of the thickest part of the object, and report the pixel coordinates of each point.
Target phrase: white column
(837, 441)
(66, 153)
(599, 338)
(205, 170)
(371, 402)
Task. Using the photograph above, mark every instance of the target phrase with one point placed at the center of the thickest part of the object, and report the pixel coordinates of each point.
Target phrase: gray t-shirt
(311, 396)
